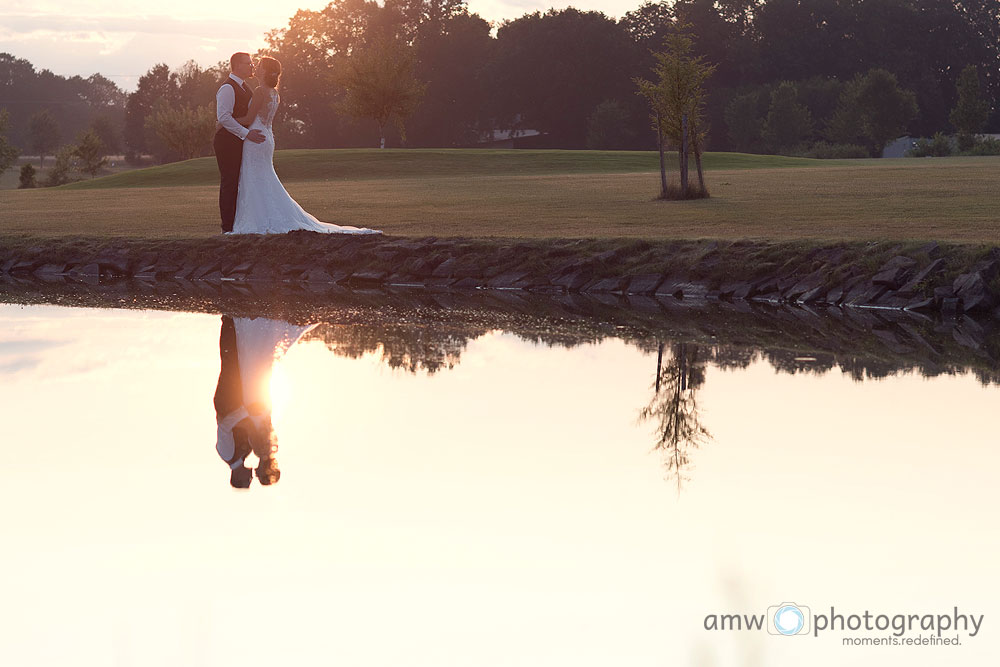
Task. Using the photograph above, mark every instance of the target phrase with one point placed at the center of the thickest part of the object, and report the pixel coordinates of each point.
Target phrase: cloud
(14, 367)
(29, 346)
(123, 47)
(23, 355)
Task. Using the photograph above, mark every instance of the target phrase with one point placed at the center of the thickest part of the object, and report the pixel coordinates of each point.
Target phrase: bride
(263, 206)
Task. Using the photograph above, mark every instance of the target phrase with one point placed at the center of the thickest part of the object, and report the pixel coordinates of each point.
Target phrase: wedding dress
(263, 206)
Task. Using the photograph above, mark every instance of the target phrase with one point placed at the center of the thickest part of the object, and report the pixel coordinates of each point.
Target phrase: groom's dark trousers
(229, 155)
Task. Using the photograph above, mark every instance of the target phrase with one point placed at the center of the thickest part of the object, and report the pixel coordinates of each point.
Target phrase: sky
(82, 37)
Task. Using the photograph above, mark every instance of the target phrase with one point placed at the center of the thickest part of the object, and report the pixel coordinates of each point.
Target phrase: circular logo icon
(788, 620)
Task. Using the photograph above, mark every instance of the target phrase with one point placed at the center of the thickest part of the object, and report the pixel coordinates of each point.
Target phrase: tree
(788, 123)
(187, 131)
(451, 57)
(873, 110)
(380, 85)
(59, 174)
(744, 118)
(102, 93)
(677, 100)
(157, 86)
(71, 102)
(418, 14)
(90, 153)
(551, 70)
(970, 113)
(313, 49)
(648, 24)
(674, 406)
(8, 153)
(608, 127)
(107, 133)
(26, 179)
(44, 132)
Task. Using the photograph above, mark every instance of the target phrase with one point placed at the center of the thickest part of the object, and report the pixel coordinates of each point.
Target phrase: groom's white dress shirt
(224, 101)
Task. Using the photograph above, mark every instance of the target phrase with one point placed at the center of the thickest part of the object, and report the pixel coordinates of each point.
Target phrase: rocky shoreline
(930, 278)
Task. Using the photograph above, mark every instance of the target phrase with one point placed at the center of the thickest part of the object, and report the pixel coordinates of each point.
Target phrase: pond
(479, 486)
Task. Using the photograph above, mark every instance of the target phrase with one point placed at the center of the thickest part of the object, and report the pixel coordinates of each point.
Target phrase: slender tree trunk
(684, 156)
(663, 159)
(684, 373)
(659, 366)
(701, 175)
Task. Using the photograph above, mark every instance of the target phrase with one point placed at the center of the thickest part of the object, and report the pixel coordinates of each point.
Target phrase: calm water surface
(482, 501)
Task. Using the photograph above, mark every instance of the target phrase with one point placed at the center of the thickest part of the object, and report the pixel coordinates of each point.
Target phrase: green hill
(361, 164)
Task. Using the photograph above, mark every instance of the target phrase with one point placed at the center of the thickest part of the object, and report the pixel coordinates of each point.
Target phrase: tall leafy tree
(73, 102)
(313, 49)
(451, 57)
(788, 124)
(107, 132)
(873, 110)
(186, 130)
(552, 70)
(744, 117)
(45, 135)
(101, 92)
(608, 127)
(8, 153)
(420, 15)
(158, 85)
(674, 407)
(971, 112)
(90, 153)
(677, 100)
(380, 85)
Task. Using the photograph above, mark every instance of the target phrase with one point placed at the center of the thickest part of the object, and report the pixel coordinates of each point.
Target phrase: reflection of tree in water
(411, 348)
(674, 405)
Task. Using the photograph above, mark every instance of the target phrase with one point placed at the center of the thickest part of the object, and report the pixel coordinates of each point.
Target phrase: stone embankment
(919, 277)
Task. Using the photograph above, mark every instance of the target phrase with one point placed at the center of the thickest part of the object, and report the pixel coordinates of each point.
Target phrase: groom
(231, 102)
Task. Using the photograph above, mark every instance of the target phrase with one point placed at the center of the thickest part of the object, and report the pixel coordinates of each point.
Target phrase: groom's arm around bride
(232, 101)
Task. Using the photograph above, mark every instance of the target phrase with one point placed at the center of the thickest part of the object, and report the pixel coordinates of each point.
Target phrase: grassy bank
(545, 194)
(364, 164)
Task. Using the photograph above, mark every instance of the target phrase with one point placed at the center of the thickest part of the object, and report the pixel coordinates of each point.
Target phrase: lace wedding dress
(263, 206)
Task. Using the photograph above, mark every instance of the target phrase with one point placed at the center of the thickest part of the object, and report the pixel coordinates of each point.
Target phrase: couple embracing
(251, 198)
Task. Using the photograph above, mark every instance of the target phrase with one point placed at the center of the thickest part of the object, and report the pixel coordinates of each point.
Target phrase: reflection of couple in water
(249, 348)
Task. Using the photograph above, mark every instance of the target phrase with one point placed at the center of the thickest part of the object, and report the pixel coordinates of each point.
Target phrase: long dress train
(263, 206)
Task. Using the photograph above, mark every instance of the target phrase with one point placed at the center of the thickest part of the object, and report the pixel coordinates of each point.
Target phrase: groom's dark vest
(241, 104)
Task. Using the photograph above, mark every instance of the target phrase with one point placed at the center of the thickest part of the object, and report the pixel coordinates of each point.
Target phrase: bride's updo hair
(270, 71)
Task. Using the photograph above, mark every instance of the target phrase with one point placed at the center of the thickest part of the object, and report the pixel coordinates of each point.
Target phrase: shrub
(937, 146)
(27, 179)
(607, 127)
(985, 146)
(823, 150)
(60, 172)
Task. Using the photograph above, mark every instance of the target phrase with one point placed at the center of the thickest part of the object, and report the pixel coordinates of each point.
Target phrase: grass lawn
(541, 194)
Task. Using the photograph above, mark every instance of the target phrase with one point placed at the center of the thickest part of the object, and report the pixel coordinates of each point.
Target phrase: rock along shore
(921, 277)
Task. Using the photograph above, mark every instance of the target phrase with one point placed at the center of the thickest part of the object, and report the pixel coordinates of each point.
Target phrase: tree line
(569, 74)
(822, 77)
